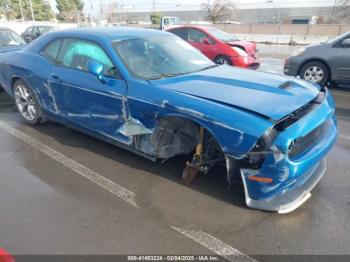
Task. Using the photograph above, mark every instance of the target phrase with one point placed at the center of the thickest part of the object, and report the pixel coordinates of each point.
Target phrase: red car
(5, 257)
(219, 46)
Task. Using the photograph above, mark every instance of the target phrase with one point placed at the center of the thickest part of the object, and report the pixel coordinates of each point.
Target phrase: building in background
(264, 12)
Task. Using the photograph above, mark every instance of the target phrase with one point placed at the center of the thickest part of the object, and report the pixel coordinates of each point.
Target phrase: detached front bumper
(288, 200)
(285, 179)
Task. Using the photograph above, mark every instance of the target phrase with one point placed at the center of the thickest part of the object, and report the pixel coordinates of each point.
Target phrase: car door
(341, 61)
(198, 39)
(80, 97)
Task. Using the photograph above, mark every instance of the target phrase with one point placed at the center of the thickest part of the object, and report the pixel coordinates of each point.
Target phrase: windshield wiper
(177, 74)
(165, 76)
(208, 67)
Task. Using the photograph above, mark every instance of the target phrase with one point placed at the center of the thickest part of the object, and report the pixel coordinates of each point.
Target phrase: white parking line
(215, 245)
(97, 179)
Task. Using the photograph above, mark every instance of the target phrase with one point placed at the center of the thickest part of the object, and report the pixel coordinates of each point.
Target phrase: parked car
(5, 257)
(219, 46)
(323, 63)
(169, 21)
(152, 93)
(9, 40)
(34, 32)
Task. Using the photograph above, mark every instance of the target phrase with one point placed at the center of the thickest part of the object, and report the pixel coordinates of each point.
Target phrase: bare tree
(219, 10)
(344, 11)
(341, 12)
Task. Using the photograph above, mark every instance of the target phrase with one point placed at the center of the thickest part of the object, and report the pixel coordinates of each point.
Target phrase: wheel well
(319, 61)
(13, 81)
(172, 135)
(230, 60)
(221, 55)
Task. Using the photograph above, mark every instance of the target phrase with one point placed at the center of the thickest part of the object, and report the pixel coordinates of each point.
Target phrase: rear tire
(222, 60)
(27, 103)
(316, 72)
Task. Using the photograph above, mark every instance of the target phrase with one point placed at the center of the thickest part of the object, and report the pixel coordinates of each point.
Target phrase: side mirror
(206, 41)
(346, 43)
(96, 68)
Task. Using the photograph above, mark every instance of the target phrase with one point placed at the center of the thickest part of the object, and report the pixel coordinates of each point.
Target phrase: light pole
(90, 12)
(127, 8)
(21, 8)
(101, 11)
(31, 10)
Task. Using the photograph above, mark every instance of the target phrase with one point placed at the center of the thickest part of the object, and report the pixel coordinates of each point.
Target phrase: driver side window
(77, 53)
(196, 36)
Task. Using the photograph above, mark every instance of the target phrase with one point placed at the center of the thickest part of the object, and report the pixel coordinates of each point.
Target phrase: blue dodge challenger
(151, 93)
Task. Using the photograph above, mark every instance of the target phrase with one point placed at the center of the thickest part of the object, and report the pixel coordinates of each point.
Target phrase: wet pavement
(47, 208)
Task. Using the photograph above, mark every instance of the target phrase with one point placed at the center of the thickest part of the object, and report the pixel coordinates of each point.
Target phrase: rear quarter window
(51, 50)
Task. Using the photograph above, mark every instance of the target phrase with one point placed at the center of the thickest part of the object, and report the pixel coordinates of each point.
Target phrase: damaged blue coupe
(150, 92)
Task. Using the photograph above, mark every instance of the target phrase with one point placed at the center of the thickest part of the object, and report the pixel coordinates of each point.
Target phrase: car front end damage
(289, 160)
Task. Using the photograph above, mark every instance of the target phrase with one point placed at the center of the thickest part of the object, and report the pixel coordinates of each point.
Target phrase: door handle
(55, 76)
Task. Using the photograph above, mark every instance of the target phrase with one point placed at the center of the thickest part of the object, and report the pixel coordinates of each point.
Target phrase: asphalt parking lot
(63, 192)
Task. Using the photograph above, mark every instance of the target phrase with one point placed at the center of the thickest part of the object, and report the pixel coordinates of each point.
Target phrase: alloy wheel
(25, 102)
(314, 74)
(221, 61)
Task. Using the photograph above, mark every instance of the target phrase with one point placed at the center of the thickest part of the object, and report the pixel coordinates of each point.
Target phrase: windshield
(46, 29)
(173, 21)
(225, 37)
(337, 38)
(160, 56)
(9, 38)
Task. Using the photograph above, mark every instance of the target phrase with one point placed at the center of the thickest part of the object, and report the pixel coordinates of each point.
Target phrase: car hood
(271, 95)
(249, 47)
(10, 48)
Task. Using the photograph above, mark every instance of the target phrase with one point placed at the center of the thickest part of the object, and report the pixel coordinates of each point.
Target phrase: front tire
(316, 72)
(222, 60)
(27, 104)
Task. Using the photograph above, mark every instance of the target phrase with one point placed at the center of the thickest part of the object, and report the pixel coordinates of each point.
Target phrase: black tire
(308, 72)
(221, 60)
(26, 105)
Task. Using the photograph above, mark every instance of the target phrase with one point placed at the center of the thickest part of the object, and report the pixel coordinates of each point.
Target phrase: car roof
(5, 29)
(110, 32)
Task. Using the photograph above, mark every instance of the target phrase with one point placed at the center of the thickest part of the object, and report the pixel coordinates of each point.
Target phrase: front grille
(302, 144)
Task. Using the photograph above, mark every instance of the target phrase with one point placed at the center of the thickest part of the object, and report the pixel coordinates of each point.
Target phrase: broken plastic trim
(133, 127)
(257, 155)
